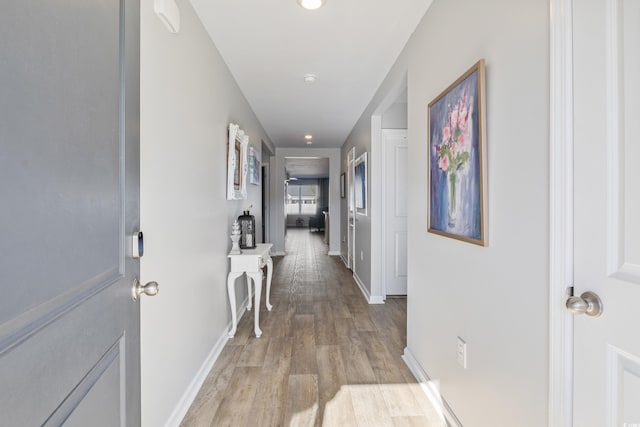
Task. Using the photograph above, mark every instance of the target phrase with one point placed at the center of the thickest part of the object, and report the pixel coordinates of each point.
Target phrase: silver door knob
(151, 289)
(588, 303)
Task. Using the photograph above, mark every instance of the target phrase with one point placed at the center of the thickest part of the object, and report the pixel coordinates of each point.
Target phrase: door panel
(400, 252)
(607, 205)
(102, 405)
(395, 201)
(56, 119)
(628, 233)
(69, 162)
(631, 383)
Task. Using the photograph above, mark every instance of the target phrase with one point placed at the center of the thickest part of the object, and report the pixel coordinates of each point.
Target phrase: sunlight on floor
(374, 405)
(306, 417)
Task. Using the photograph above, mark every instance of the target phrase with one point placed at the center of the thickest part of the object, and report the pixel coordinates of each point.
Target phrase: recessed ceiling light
(310, 78)
(308, 136)
(309, 142)
(311, 4)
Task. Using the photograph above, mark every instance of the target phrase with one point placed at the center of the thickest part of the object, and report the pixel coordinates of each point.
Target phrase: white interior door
(606, 43)
(351, 214)
(69, 186)
(394, 203)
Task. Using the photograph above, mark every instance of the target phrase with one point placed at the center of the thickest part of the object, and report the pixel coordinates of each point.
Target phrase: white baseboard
(376, 300)
(344, 260)
(370, 299)
(278, 253)
(363, 288)
(196, 383)
(431, 389)
(334, 253)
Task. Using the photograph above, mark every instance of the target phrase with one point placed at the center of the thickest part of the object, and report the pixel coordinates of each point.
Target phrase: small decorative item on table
(235, 238)
(247, 230)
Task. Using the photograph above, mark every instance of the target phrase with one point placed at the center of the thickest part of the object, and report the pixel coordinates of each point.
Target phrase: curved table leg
(249, 292)
(257, 281)
(269, 275)
(231, 288)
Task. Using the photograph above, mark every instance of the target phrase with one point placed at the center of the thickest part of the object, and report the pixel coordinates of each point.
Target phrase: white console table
(250, 262)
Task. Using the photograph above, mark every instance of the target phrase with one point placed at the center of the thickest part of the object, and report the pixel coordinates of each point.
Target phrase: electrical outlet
(462, 353)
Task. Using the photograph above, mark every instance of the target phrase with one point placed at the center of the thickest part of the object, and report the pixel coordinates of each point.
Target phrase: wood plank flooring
(325, 358)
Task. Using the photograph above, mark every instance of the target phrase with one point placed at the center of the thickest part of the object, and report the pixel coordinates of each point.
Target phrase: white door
(394, 203)
(351, 226)
(606, 43)
(69, 184)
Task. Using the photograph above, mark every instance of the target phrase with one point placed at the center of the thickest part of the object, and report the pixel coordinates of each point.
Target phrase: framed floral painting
(457, 159)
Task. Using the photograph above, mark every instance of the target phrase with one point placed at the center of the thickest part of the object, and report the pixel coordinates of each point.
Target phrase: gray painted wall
(458, 289)
(188, 98)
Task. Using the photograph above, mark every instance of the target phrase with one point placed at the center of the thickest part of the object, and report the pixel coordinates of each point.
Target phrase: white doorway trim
(378, 291)
(351, 212)
(388, 246)
(377, 229)
(560, 214)
(266, 209)
(267, 153)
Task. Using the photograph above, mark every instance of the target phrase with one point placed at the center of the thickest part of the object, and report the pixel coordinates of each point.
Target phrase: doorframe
(351, 211)
(560, 213)
(383, 203)
(266, 202)
(377, 292)
(266, 156)
(378, 288)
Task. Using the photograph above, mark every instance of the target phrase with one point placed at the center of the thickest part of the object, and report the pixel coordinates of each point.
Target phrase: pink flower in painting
(446, 133)
(454, 118)
(454, 151)
(463, 120)
(444, 163)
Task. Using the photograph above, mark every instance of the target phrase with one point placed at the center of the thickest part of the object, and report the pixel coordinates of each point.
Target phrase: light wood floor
(325, 358)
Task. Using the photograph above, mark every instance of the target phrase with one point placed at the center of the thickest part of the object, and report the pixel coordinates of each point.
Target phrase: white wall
(188, 98)
(495, 297)
(395, 117)
(278, 176)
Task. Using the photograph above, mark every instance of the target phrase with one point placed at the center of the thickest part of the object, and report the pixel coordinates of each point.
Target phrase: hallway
(325, 357)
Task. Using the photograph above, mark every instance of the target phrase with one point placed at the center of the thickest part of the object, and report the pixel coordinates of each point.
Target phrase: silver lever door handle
(588, 303)
(151, 289)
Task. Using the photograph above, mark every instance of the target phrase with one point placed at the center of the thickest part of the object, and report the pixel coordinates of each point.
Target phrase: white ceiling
(270, 44)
